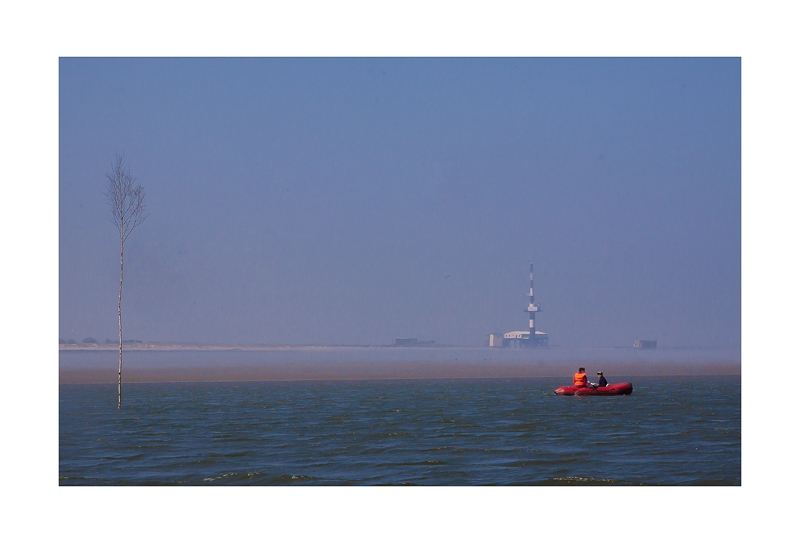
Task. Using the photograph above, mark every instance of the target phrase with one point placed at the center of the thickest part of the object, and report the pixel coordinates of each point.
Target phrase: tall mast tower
(533, 308)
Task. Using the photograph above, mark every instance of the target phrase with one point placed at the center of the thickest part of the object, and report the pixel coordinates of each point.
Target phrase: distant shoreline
(199, 346)
(159, 345)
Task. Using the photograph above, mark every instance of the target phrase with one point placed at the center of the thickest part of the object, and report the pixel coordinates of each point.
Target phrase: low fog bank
(330, 363)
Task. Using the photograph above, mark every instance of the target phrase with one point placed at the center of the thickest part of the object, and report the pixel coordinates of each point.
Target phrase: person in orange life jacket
(601, 380)
(580, 379)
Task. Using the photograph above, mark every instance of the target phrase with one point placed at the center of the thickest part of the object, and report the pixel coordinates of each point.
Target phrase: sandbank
(175, 362)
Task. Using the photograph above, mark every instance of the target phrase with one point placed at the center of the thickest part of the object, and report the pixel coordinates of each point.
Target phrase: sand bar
(251, 362)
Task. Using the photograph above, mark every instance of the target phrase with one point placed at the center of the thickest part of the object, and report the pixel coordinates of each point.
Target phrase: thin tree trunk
(128, 211)
(119, 314)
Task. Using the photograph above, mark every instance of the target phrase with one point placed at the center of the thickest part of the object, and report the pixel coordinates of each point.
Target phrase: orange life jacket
(580, 379)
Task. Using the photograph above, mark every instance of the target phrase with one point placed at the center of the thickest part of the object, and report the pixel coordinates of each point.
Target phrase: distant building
(517, 339)
(644, 344)
(412, 342)
(495, 340)
(528, 338)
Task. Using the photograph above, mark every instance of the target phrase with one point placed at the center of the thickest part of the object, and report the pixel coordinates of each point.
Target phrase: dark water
(670, 431)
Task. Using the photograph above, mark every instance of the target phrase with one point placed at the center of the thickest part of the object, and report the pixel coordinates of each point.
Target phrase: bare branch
(125, 200)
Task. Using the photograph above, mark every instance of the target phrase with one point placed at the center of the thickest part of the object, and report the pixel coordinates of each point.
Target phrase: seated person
(601, 380)
(580, 379)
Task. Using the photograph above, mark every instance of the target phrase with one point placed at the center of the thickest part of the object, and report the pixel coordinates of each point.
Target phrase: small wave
(416, 463)
(291, 479)
(434, 449)
(134, 457)
(525, 463)
(232, 477)
(238, 454)
(224, 476)
(433, 463)
(581, 481)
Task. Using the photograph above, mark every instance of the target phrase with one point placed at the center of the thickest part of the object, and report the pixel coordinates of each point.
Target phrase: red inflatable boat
(619, 389)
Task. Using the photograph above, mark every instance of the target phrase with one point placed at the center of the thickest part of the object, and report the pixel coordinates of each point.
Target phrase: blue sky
(355, 200)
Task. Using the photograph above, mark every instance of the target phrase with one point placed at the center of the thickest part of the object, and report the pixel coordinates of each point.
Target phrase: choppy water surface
(670, 431)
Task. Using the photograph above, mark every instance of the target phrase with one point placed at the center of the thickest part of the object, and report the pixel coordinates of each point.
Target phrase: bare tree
(127, 212)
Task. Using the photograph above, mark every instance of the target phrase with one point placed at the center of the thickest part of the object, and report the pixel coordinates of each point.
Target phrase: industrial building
(522, 338)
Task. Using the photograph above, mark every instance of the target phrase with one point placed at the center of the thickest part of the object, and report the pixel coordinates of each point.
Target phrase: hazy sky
(352, 201)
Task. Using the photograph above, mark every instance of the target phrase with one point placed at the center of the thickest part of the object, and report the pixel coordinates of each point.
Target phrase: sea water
(670, 431)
